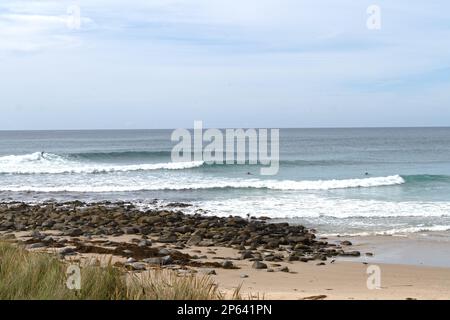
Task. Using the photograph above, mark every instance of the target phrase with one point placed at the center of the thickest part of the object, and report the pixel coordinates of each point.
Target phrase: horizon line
(205, 128)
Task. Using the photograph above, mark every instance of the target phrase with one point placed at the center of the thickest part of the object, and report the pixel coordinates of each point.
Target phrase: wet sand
(338, 280)
(421, 249)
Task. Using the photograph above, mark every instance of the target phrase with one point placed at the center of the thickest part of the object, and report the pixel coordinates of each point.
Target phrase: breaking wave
(47, 163)
(124, 186)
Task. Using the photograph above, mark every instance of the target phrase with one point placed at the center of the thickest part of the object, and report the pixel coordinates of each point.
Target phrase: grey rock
(48, 224)
(194, 240)
(66, 251)
(144, 243)
(350, 254)
(206, 243)
(259, 265)
(246, 255)
(227, 264)
(47, 239)
(163, 252)
(153, 261)
(130, 230)
(283, 269)
(73, 232)
(269, 258)
(293, 258)
(166, 260)
(37, 235)
(36, 245)
(20, 227)
(137, 266)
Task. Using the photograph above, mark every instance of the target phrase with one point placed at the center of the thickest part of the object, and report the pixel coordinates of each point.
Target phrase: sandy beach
(322, 268)
(342, 279)
(339, 280)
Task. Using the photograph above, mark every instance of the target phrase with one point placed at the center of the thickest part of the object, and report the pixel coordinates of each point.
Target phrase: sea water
(339, 181)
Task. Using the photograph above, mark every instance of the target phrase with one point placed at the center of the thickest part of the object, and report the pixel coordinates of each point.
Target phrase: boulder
(227, 264)
(259, 265)
(194, 240)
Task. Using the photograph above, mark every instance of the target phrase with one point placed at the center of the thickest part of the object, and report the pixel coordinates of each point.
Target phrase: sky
(135, 64)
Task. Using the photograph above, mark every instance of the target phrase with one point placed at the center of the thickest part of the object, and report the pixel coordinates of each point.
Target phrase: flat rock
(350, 254)
(66, 251)
(36, 245)
(163, 252)
(137, 266)
(73, 232)
(154, 261)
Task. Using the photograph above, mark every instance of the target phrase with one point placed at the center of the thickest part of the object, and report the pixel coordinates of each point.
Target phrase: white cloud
(24, 30)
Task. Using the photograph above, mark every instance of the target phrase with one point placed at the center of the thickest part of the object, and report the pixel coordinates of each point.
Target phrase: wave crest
(47, 163)
(284, 185)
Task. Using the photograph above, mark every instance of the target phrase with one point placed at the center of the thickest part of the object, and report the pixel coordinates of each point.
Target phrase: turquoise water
(322, 181)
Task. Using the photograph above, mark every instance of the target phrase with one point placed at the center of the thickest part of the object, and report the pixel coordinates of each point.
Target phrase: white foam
(143, 184)
(393, 231)
(291, 206)
(36, 163)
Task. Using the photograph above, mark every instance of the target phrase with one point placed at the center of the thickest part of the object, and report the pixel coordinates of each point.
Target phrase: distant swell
(426, 178)
(118, 155)
(223, 184)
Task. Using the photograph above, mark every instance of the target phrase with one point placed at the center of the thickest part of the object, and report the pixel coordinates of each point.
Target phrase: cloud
(22, 31)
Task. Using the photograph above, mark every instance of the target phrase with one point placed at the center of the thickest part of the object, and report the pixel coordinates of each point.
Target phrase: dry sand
(340, 279)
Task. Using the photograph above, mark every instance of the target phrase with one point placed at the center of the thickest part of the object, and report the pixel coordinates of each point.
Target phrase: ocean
(361, 181)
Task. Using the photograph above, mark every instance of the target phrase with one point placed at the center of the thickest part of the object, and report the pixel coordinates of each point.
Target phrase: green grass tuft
(28, 275)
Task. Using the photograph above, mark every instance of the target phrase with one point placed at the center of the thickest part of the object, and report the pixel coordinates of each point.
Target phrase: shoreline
(266, 260)
(427, 250)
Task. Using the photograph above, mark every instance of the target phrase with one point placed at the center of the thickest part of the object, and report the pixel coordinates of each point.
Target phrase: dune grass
(28, 275)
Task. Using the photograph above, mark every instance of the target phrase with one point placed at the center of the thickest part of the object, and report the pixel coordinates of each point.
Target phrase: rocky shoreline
(161, 237)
